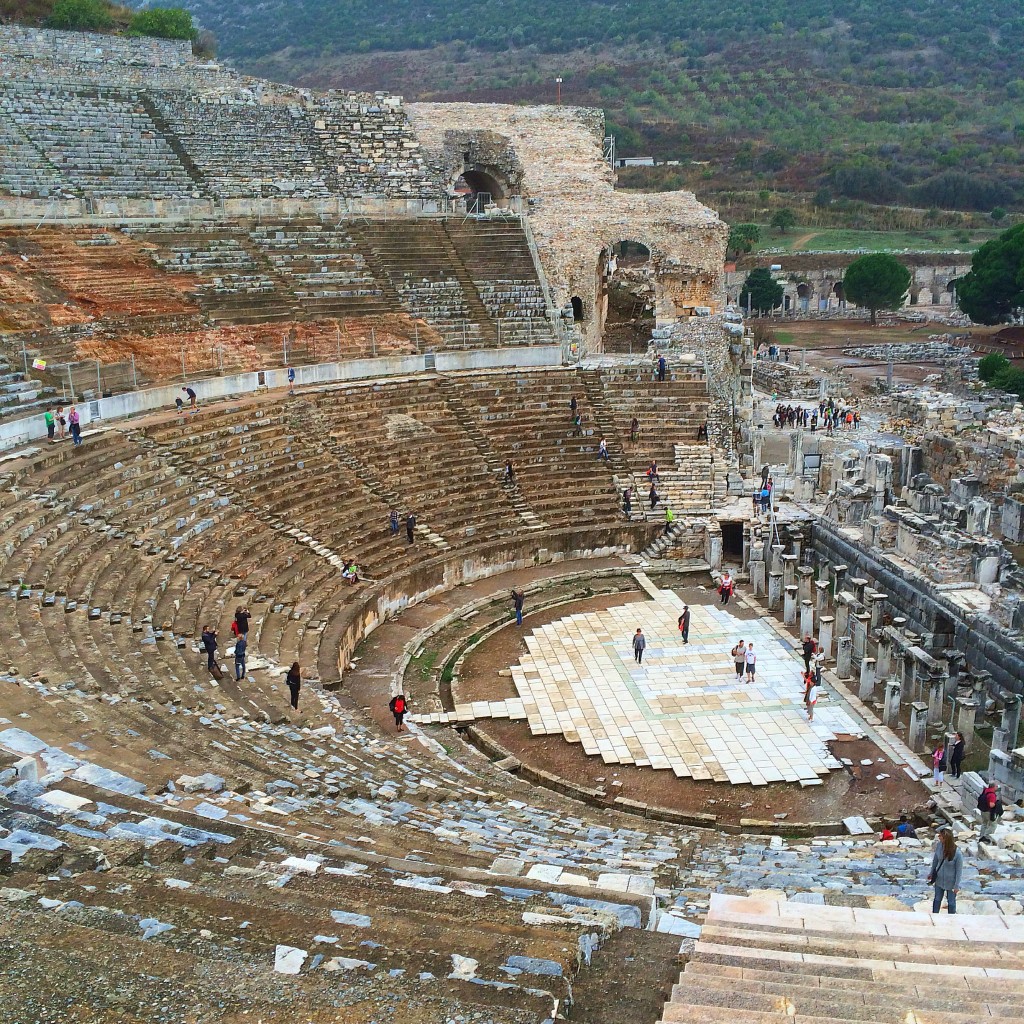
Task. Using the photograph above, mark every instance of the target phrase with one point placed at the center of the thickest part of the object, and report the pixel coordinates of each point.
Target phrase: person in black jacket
(294, 681)
(209, 639)
(410, 525)
(956, 757)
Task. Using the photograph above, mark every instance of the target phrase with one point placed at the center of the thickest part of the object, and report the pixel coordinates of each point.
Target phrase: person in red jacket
(398, 707)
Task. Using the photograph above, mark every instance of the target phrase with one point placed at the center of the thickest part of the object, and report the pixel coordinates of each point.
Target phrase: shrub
(164, 23)
(80, 15)
(992, 365)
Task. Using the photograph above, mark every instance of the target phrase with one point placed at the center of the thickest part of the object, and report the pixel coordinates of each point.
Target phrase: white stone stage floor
(682, 709)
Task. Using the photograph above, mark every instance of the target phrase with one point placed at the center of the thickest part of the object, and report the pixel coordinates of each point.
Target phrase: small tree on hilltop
(783, 220)
(742, 238)
(164, 23)
(994, 287)
(878, 281)
(761, 291)
(80, 15)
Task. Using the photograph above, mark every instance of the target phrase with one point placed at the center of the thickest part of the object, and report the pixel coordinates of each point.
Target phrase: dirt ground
(843, 793)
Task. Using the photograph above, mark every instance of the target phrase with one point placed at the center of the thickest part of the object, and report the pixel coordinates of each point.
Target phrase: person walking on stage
(684, 624)
(398, 707)
(639, 646)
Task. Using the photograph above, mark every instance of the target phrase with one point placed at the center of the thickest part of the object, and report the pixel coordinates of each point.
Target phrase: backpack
(983, 804)
(235, 630)
(997, 809)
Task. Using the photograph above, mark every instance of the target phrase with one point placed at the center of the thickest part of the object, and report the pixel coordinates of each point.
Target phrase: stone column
(860, 634)
(884, 652)
(912, 688)
(891, 711)
(756, 440)
(965, 719)
(876, 605)
(805, 581)
(820, 597)
(806, 618)
(797, 543)
(867, 679)
(842, 618)
(757, 577)
(774, 590)
(789, 606)
(857, 585)
(838, 576)
(789, 570)
(713, 546)
(776, 565)
(844, 657)
(1010, 724)
(917, 737)
(824, 571)
(825, 624)
(936, 697)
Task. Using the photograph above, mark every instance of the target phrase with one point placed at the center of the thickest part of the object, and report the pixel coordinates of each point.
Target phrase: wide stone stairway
(760, 959)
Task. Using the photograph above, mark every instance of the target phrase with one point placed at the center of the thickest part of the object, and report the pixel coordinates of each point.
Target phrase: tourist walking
(191, 396)
(684, 624)
(61, 423)
(939, 763)
(291, 380)
(956, 756)
(627, 502)
(639, 645)
(670, 519)
(209, 641)
(990, 809)
(294, 681)
(602, 450)
(573, 406)
(634, 430)
(947, 870)
(654, 497)
(739, 659)
(393, 522)
(751, 659)
(398, 707)
(510, 472)
(725, 587)
(410, 525)
(50, 420)
(817, 664)
(241, 643)
(518, 596)
(242, 617)
(662, 366)
(75, 423)
(812, 699)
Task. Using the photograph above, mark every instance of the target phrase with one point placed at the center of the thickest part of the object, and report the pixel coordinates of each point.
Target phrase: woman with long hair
(946, 871)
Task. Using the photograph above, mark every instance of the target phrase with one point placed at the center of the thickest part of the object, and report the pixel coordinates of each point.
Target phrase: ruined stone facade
(553, 155)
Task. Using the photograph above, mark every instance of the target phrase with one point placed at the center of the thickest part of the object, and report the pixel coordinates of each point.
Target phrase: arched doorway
(803, 293)
(480, 188)
(577, 309)
(626, 298)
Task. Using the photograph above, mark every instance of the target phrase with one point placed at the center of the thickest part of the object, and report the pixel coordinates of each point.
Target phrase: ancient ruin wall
(552, 156)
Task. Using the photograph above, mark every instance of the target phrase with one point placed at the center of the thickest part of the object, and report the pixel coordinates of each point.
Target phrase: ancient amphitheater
(391, 316)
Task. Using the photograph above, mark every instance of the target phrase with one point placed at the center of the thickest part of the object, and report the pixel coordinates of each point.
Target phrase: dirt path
(799, 243)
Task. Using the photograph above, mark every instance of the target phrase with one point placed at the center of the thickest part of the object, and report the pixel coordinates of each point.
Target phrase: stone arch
(481, 185)
(578, 309)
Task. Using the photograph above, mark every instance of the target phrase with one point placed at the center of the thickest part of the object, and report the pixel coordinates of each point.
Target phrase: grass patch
(424, 664)
(842, 240)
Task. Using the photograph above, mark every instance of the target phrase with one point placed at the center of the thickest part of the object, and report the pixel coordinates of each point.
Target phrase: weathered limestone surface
(553, 155)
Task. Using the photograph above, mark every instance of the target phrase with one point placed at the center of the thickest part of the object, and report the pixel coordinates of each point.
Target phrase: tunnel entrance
(626, 294)
(732, 540)
(479, 189)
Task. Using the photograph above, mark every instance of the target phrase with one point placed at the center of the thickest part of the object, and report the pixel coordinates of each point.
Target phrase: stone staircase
(663, 542)
(762, 959)
(688, 487)
(450, 389)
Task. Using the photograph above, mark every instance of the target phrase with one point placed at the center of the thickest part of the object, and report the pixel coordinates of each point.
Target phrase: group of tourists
(410, 524)
(240, 633)
(59, 424)
(829, 413)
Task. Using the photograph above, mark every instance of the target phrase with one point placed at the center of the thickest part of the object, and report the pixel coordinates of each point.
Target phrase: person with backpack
(947, 870)
(684, 624)
(990, 809)
(241, 624)
(294, 681)
(939, 763)
(398, 707)
(739, 658)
